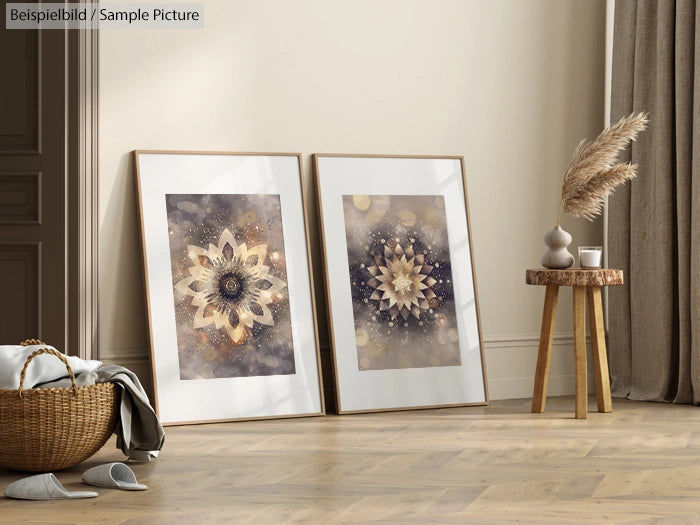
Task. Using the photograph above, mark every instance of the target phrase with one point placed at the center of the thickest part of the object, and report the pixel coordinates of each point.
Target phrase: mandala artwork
(401, 281)
(229, 281)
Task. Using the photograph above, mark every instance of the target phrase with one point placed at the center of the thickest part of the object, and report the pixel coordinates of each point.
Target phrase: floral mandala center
(230, 286)
(402, 284)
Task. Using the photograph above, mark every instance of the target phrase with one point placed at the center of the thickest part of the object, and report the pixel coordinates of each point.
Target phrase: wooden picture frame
(402, 301)
(233, 331)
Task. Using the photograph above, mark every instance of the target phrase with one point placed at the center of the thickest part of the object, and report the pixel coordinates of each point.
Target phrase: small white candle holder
(590, 256)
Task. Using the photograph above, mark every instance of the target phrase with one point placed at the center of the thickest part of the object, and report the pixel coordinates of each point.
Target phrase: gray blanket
(140, 436)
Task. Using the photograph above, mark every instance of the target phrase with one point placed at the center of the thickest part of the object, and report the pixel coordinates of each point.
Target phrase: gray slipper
(42, 486)
(112, 475)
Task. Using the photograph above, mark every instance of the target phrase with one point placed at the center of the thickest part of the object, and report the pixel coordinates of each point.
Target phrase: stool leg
(580, 352)
(549, 315)
(600, 358)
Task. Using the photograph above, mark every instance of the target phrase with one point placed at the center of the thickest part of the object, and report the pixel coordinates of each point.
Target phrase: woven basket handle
(46, 351)
(28, 342)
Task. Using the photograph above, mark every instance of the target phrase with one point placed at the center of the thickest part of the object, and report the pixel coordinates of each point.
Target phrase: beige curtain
(654, 222)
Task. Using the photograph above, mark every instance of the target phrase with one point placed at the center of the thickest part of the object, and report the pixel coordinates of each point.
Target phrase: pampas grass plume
(592, 173)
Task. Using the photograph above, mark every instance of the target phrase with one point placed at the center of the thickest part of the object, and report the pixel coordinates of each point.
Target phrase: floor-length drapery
(654, 221)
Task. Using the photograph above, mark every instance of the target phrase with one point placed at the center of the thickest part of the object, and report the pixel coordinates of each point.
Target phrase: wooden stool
(584, 282)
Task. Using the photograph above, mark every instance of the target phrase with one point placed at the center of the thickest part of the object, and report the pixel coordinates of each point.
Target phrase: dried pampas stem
(592, 173)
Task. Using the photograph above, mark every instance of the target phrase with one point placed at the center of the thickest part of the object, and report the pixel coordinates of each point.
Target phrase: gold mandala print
(401, 281)
(229, 283)
(231, 287)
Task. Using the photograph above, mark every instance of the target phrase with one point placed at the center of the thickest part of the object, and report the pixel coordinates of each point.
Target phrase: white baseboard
(511, 361)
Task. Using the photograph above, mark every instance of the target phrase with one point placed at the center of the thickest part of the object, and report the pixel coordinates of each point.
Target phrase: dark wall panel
(19, 126)
(19, 197)
(19, 310)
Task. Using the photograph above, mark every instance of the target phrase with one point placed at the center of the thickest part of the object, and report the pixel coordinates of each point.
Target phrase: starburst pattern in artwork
(401, 282)
(231, 287)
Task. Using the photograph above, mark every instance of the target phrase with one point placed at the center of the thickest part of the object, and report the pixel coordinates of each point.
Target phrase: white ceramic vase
(557, 256)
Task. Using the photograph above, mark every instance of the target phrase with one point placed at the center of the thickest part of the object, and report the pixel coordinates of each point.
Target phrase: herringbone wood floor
(493, 465)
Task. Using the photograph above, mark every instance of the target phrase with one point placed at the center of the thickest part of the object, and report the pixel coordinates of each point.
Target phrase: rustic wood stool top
(574, 277)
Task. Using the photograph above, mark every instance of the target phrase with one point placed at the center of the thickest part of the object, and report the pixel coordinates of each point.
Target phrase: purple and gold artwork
(401, 281)
(230, 286)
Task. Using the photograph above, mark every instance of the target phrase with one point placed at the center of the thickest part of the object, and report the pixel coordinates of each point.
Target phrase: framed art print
(403, 309)
(230, 302)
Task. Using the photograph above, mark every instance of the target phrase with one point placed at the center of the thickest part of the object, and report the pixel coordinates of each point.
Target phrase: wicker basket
(47, 429)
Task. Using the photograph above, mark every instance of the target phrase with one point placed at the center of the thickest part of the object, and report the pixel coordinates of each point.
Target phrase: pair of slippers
(47, 486)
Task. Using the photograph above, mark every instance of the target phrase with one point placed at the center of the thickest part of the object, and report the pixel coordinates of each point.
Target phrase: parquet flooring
(477, 465)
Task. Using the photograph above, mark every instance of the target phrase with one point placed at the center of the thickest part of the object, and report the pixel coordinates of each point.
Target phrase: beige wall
(512, 85)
